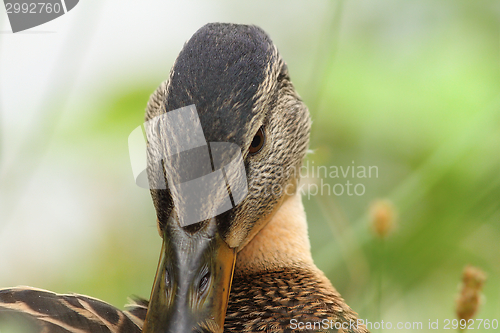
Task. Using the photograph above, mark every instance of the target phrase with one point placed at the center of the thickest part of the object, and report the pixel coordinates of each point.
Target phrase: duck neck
(282, 243)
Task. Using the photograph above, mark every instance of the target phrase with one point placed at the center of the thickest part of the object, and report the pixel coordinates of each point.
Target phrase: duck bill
(193, 281)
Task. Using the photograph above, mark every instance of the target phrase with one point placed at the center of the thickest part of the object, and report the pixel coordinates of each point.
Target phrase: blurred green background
(411, 87)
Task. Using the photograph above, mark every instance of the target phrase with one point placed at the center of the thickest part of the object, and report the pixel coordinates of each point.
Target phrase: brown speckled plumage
(267, 302)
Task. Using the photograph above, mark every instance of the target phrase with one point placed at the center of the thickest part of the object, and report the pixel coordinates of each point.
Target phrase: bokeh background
(411, 87)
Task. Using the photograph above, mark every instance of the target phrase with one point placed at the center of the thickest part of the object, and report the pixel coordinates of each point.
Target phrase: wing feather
(41, 311)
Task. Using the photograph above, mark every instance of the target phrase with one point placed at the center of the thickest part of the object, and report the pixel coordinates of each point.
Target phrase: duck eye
(257, 142)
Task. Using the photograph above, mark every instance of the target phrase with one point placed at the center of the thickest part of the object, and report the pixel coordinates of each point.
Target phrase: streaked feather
(41, 311)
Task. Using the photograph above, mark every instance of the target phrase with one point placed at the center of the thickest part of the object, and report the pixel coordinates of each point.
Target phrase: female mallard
(248, 269)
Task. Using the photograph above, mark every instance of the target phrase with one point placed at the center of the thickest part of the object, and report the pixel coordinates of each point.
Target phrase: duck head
(242, 94)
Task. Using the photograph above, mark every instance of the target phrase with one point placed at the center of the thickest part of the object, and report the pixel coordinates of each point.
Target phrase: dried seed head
(383, 217)
(469, 299)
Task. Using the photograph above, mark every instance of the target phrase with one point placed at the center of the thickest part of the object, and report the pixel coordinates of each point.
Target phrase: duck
(249, 268)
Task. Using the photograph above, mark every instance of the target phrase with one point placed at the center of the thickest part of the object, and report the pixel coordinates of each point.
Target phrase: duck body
(288, 300)
(250, 268)
(274, 301)
(278, 288)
